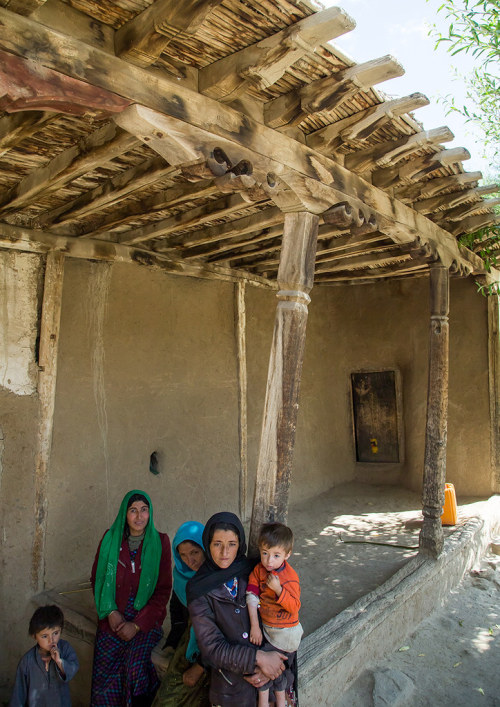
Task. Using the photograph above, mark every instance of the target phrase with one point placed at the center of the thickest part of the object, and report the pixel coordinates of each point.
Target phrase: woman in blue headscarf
(186, 682)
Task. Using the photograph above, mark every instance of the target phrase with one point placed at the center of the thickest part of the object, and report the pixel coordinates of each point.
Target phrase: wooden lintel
(388, 154)
(326, 94)
(363, 124)
(98, 148)
(31, 241)
(265, 62)
(409, 194)
(143, 39)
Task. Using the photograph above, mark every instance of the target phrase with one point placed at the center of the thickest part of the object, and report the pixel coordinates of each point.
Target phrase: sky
(400, 28)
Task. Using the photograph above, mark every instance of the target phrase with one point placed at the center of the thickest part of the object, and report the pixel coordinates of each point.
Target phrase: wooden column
(49, 341)
(494, 385)
(431, 536)
(295, 280)
(242, 394)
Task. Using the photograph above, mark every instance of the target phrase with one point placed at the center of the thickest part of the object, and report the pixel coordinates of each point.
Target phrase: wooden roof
(178, 135)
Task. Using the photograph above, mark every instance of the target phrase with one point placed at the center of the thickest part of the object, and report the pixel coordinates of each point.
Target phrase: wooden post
(295, 280)
(242, 393)
(431, 536)
(49, 341)
(494, 385)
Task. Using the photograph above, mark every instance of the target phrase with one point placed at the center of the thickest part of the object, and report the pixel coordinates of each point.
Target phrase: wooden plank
(219, 251)
(31, 241)
(295, 279)
(374, 256)
(389, 153)
(49, 343)
(328, 93)
(143, 39)
(241, 355)
(207, 118)
(448, 201)
(474, 223)
(109, 192)
(98, 148)
(460, 212)
(264, 63)
(431, 538)
(363, 124)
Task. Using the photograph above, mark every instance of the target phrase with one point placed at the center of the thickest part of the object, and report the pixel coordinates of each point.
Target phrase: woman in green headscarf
(131, 578)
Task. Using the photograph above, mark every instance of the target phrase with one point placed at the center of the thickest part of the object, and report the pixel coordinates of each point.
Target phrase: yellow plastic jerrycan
(449, 516)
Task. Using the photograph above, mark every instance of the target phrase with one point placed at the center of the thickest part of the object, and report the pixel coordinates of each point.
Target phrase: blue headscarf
(193, 531)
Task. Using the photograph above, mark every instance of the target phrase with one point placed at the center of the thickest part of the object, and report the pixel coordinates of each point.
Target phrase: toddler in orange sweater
(274, 591)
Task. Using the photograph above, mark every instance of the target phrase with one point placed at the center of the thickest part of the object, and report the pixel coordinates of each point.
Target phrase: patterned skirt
(123, 669)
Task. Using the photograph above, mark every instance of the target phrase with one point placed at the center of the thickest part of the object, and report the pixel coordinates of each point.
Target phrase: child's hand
(256, 636)
(56, 657)
(274, 583)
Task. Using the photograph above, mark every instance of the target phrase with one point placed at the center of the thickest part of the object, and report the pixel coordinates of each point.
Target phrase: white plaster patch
(18, 321)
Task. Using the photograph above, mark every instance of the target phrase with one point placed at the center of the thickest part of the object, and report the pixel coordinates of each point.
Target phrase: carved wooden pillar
(49, 342)
(295, 279)
(431, 536)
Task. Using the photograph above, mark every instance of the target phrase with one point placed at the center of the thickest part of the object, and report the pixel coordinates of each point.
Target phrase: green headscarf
(105, 580)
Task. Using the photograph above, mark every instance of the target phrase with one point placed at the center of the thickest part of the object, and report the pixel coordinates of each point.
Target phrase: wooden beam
(143, 39)
(133, 210)
(474, 223)
(49, 343)
(409, 266)
(31, 241)
(96, 149)
(435, 186)
(24, 85)
(24, 7)
(109, 192)
(419, 168)
(235, 249)
(389, 153)
(362, 125)
(238, 228)
(204, 118)
(194, 217)
(241, 348)
(17, 127)
(431, 538)
(446, 201)
(461, 212)
(295, 279)
(372, 256)
(264, 63)
(325, 94)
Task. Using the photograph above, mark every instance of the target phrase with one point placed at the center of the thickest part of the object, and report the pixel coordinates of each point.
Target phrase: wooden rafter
(363, 124)
(143, 39)
(17, 127)
(324, 94)
(419, 168)
(98, 148)
(264, 63)
(435, 186)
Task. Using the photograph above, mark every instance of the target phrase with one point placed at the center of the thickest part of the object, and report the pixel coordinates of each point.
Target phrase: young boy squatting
(274, 592)
(44, 671)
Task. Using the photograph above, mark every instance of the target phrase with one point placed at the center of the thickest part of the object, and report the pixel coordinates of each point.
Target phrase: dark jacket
(127, 583)
(222, 628)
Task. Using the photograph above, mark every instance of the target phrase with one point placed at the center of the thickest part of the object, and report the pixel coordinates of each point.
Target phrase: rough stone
(392, 688)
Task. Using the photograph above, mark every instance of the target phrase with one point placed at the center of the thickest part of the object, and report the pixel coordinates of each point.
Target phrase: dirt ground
(452, 659)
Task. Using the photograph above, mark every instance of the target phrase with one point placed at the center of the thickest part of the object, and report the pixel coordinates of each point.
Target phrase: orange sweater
(282, 611)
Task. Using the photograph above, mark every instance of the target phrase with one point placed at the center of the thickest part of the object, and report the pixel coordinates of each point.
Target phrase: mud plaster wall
(147, 362)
